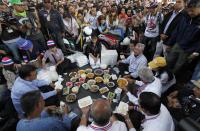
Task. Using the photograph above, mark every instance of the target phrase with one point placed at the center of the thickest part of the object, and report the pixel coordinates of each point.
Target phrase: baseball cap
(196, 83)
(157, 62)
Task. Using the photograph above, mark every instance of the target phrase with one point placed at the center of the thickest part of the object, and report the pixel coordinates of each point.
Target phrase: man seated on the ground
(128, 47)
(33, 104)
(148, 83)
(134, 62)
(185, 102)
(101, 114)
(159, 66)
(29, 51)
(27, 82)
(157, 117)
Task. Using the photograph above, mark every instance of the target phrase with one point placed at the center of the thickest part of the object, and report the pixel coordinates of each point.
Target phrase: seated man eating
(27, 82)
(38, 118)
(134, 62)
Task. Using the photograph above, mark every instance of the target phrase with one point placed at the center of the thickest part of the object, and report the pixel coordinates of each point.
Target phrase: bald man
(101, 113)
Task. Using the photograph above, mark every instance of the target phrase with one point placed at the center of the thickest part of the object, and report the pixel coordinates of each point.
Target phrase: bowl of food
(103, 66)
(98, 72)
(90, 75)
(86, 86)
(110, 84)
(83, 76)
(72, 74)
(66, 91)
(103, 90)
(82, 80)
(69, 84)
(122, 82)
(81, 72)
(77, 84)
(75, 89)
(106, 76)
(94, 88)
(77, 75)
(91, 82)
(73, 79)
(105, 81)
(106, 71)
(99, 79)
(71, 98)
(89, 70)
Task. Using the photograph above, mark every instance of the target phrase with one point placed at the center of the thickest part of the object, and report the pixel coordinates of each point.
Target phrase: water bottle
(25, 58)
(62, 106)
(118, 94)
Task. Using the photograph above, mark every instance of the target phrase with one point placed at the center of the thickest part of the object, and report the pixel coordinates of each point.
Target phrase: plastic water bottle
(62, 106)
(25, 58)
(118, 94)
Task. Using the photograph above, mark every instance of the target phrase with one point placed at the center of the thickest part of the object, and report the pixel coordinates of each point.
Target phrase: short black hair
(133, 42)
(26, 70)
(29, 101)
(150, 102)
(193, 3)
(94, 36)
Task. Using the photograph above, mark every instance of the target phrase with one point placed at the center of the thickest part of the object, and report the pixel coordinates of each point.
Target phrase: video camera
(7, 19)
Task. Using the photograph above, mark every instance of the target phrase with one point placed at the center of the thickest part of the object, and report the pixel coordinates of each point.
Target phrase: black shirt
(95, 50)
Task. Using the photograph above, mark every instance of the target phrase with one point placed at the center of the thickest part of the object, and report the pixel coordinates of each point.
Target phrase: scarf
(22, 14)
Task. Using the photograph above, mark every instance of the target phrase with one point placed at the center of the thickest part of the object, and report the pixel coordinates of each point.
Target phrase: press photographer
(9, 32)
(29, 23)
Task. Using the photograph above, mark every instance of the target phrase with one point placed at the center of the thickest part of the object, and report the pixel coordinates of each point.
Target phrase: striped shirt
(115, 126)
(135, 64)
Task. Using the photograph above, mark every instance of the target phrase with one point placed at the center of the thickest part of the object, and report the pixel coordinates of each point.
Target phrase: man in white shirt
(101, 113)
(157, 117)
(148, 83)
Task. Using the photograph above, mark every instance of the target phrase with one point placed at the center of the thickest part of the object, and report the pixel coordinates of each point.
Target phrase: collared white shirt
(115, 126)
(154, 87)
(161, 122)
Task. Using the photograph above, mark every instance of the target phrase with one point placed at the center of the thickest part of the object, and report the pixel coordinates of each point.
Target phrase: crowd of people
(158, 46)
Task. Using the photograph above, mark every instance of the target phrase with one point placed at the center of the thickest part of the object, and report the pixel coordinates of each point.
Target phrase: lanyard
(54, 58)
(105, 128)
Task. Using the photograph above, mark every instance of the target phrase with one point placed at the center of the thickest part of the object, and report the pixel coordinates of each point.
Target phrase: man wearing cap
(185, 39)
(28, 24)
(52, 24)
(56, 58)
(28, 51)
(9, 32)
(159, 66)
(151, 35)
(9, 71)
(186, 102)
